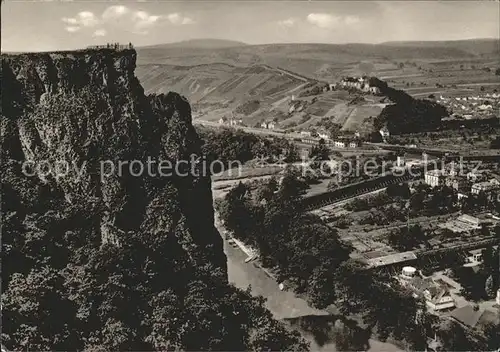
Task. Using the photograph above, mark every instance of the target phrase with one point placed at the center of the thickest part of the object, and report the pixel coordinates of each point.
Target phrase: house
(222, 121)
(470, 220)
(263, 125)
(435, 178)
(235, 122)
(323, 135)
(474, 257)
(400, 161)
(486, 187)
(271, 125)
(305, 133)
(437, 297)
(391, 259)
(384, 132)
(354, 144)
(374, 90)
(339, 143)
(456, 182)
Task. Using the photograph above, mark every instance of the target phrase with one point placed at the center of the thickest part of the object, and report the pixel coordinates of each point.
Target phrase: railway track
(357, 189)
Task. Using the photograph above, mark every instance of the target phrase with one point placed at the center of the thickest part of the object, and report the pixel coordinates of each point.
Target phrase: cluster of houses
(230, 121)
(472, 106)
(470, 183)
(361, 84)
(339, 142)
(270, 125)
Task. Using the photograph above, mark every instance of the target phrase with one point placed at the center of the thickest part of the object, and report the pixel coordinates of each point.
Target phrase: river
(283, 304)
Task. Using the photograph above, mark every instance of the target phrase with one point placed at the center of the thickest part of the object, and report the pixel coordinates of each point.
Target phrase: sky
(59, 25)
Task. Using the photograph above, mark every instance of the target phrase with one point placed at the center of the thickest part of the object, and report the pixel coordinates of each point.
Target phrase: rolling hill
(258, 82)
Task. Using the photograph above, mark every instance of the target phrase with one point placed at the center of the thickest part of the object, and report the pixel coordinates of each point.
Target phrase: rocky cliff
(103, 250)
(87, 110)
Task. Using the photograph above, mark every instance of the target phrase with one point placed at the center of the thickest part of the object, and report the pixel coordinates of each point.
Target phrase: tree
(490, 287)
(405, 240)
(492, 334)
(320, 151)
(497, 72)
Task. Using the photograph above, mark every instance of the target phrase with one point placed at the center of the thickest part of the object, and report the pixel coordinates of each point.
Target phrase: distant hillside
(472, 46)
(223, 81)
(312, 60)
(206, 43)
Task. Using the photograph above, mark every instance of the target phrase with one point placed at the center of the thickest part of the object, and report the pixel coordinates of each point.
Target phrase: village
(471, 107)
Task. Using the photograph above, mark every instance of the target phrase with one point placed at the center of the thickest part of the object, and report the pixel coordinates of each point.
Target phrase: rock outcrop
(84, 117)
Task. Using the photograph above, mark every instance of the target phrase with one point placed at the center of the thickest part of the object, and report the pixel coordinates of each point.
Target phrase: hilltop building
(359, 83)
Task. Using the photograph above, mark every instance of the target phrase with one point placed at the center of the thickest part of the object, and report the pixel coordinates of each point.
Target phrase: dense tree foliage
(405, 239)
(310, 258)
(228, 145)
(64, 291)
(125, 262)
(406, 114)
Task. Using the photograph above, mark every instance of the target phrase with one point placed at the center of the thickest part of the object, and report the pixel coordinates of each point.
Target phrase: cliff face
(84, 115)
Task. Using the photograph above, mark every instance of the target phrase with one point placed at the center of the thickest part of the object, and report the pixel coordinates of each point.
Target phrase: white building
(437, 297)
(384, 132)
(339, 144)
(323, 135)
(235, 122)
(435, 178)
(486, 187)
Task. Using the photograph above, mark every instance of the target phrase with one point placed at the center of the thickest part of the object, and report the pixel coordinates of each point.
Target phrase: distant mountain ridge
(201, 43)
(476, 46)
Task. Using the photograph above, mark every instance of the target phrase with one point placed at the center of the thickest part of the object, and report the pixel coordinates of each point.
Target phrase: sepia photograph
(250, 175)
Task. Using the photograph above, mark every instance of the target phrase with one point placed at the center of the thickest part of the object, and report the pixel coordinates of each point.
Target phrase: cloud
(351, 20)
(72, 29)
(328, 21)
(100, 33)
(115, 12)
(323, 20)
(177, 19)
(289, 22)
(123, 18)
(82, 19)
